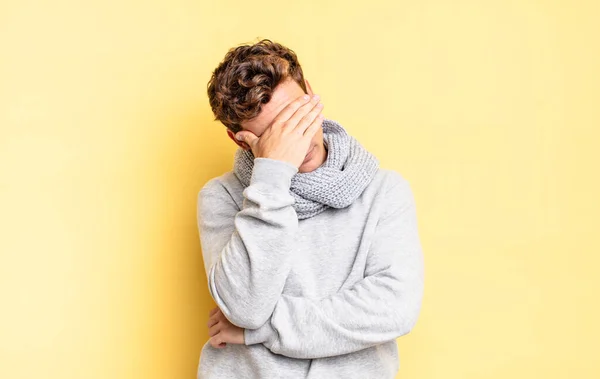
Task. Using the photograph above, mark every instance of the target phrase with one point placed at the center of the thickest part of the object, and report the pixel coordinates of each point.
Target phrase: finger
(217, 342)
(212, 321)
(213, 311)
(247, 137)
(291, 108)
(215, 329)
(303, 111)
(314, 127)
(308, 119)
(214, 341)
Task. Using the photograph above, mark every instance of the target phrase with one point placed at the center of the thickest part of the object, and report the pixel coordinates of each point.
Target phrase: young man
(311, 250)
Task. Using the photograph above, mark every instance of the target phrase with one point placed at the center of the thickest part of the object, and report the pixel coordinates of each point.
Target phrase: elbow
(409, 323)
(409, 307)
(255, 314)
(404, 324)
(406, 317)
(247, 320)
(244, 317)
(244, 314)
(241, 311)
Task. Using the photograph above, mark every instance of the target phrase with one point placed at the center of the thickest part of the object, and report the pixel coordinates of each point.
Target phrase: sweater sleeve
(382, 306)
(247, 252)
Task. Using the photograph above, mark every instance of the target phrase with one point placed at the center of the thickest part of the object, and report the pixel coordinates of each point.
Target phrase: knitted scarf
(340, 180)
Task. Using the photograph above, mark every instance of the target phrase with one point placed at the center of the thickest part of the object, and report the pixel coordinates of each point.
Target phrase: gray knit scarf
(340, 180)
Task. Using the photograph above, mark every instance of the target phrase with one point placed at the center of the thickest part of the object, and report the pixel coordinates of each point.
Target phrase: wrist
(273, 172)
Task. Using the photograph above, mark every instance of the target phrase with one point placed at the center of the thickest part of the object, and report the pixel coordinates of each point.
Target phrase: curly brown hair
(246, 78)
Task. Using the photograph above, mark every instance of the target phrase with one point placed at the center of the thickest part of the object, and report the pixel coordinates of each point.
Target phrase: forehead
(283, 95)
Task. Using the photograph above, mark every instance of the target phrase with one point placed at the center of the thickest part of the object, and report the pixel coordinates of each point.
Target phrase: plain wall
(489, 108)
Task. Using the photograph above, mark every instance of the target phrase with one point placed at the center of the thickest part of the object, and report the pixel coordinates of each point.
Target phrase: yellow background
(489, 108)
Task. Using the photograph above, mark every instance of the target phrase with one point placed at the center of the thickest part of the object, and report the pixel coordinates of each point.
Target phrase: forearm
(247, 275)
(376, 310)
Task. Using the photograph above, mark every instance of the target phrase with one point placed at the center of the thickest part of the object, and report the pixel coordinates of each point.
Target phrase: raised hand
(222, 331)
(288, 136)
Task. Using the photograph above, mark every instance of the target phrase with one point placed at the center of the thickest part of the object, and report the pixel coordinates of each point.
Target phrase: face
(284, 94)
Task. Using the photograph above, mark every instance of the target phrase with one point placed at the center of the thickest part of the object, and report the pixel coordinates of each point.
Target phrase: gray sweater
(320, 298)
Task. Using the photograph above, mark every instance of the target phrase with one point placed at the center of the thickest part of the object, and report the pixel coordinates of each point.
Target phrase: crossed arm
(248, 261)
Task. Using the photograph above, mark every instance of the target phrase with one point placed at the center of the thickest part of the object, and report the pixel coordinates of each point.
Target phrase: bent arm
(247, 252)
(379, 308)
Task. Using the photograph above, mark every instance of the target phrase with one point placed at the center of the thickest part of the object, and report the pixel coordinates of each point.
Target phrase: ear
(308, 88)
(241, 144)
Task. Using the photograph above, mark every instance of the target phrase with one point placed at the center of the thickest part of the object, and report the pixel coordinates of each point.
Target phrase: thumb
(247, 137)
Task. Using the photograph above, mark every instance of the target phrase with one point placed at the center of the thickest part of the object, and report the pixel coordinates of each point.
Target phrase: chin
(305, 168)
(312, 164)
(308, 166)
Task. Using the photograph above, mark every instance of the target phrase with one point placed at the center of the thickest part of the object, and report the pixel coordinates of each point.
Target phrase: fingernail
(306, 97)
(238, 137)
(320, 105)
(316, 97)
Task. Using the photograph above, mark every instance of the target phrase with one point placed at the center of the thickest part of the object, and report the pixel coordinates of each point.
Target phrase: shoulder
(390, 180)
(393, 187)
(226, 182)
(219, 190)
